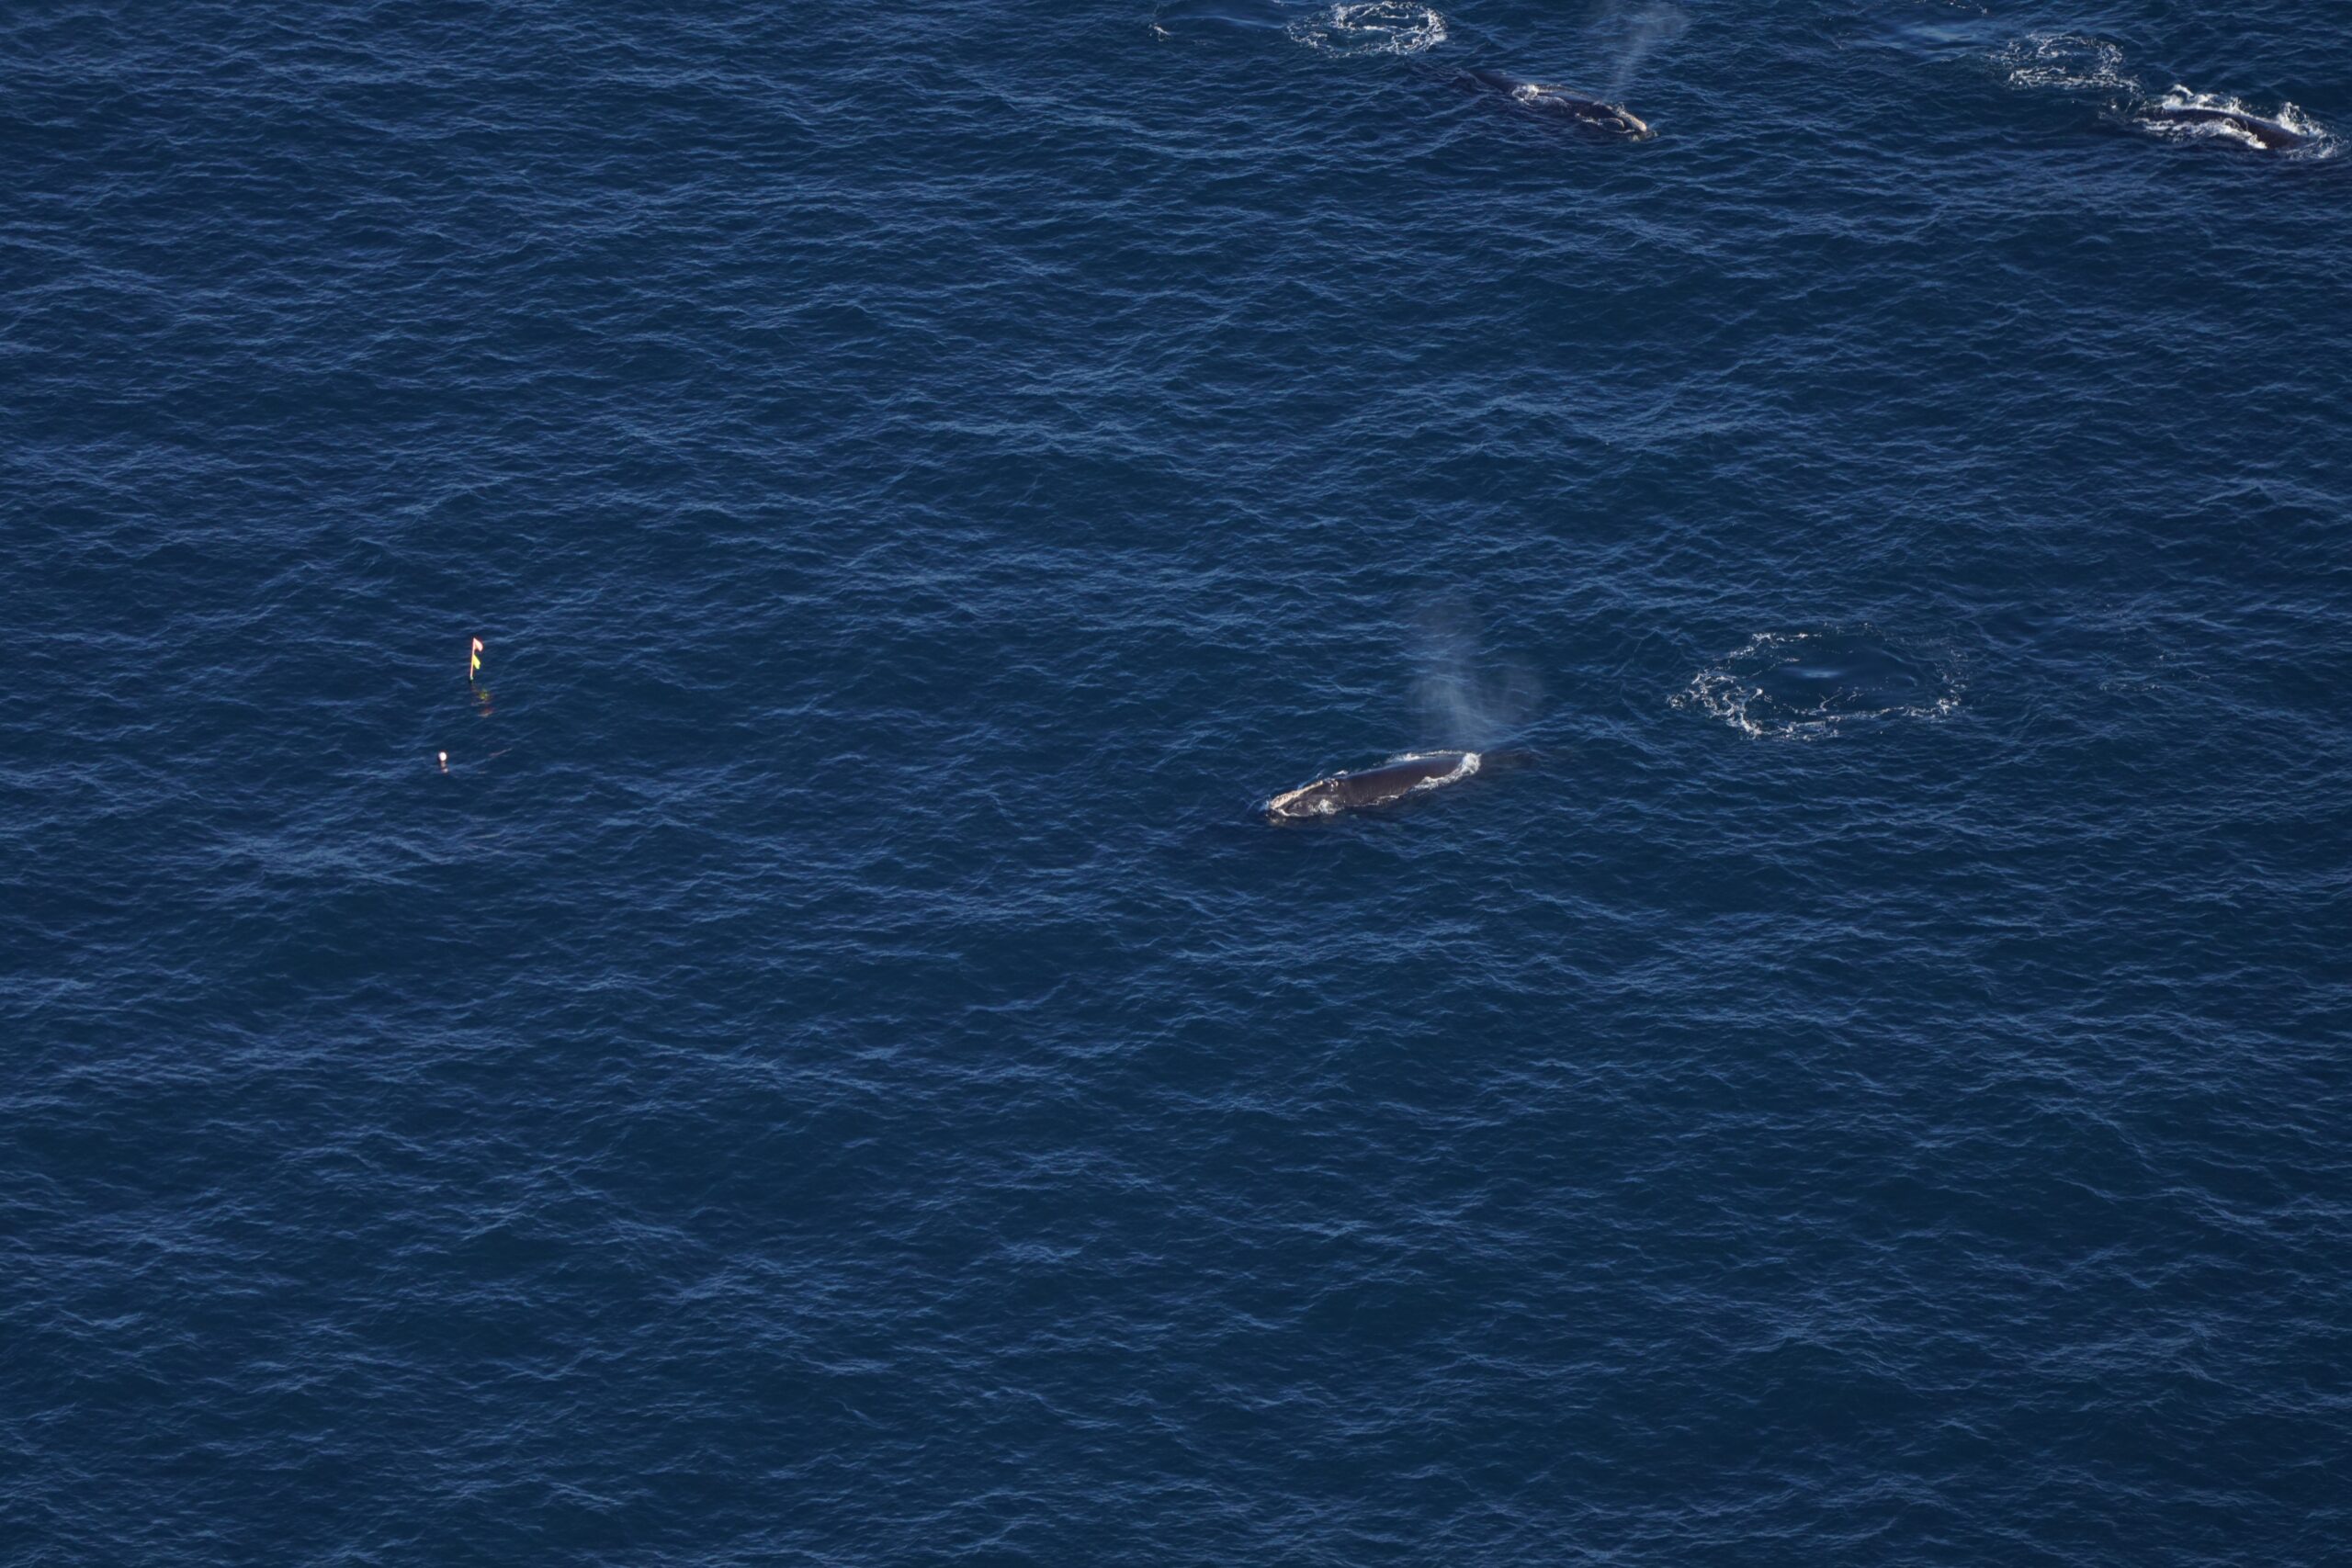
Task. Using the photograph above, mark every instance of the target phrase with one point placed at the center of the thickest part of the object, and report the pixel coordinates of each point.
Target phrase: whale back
(1383, 785)
(1556, 103)
(2268, 135)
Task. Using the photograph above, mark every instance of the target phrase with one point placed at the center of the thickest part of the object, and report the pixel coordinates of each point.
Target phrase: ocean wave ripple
(838, 1071)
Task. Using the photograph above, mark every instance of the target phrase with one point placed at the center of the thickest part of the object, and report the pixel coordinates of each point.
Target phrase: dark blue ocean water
(839, 1070)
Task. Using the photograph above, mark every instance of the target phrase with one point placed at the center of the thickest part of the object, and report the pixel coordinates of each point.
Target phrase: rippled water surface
(839, 1069)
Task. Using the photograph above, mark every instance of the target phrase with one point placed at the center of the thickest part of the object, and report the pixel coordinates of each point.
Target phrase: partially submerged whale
(1416, 773)
(1560, 103)
(2270, 135)
(1400, 778)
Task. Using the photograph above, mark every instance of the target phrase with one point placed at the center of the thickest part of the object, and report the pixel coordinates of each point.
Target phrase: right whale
(1415, 774)
(1401, 778)
(1559, 102)
(2270, 135)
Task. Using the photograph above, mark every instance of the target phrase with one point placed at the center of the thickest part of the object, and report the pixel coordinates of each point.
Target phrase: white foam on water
(1373, 27)
(2067, 63)
(1812, 685)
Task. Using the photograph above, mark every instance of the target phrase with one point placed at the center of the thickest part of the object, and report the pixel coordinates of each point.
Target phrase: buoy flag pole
(474, 668)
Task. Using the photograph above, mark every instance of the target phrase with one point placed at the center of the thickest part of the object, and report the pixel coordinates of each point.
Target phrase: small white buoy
(444, 761)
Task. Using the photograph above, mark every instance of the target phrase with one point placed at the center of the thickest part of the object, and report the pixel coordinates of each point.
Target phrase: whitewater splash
(1373, 27)
(1811, 685)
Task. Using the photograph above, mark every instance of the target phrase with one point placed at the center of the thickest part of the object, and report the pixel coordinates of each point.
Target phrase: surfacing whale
(2270, 135)
(1560, 103)
(1416, 773)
